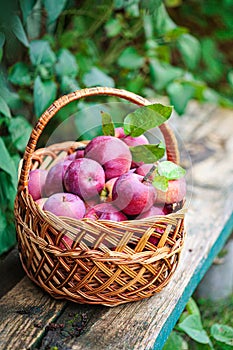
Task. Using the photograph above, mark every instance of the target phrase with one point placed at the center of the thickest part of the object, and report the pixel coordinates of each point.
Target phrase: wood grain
(145, 324)
(25, 311)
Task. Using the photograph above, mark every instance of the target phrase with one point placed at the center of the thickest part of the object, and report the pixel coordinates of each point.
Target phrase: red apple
(153, 211)
(84, 177)
(65, 204)
(54, 180)
(175, 193)
(36, 183)
(41, 202)
(105, 211)
(112, 153)
(133, 196)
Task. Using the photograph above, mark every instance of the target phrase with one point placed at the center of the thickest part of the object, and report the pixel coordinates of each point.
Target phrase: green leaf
(107, 124)
(68, 85)
(20, 131)
(19, 74)
(150, 5)
(44, 94)
(2, 39)
(7, 233)
(147, 153)
(4, 109)
(190, 50)
(130, 59)
(162, 21)
(113, 27)
(54, 8)
(6, 163)
(66, 64)
(160, 182)
(180, 95)
(163, 73)
(192, 326)
(222, 333)
(41, 53)
(175, 342)
(96, 77)
(170, 170)
(18, 30)
(192, 307)
(146, 118)
(26, 7)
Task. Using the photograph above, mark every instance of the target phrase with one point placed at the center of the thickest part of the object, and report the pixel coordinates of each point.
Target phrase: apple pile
(119, 175)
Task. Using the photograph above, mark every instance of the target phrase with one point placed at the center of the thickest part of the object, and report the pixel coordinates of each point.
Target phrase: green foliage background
(151, 47)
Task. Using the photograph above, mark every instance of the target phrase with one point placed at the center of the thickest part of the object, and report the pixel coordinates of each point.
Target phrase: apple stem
(64, 199)
(150, 172)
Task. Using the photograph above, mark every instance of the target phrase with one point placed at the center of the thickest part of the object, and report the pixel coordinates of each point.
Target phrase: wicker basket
(91, 271)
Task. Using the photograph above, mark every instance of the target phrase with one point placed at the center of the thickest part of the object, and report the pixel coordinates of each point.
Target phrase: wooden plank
(146, 324)
(25, 311)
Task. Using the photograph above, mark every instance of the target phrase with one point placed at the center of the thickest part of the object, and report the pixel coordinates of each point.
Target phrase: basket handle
(169, 137)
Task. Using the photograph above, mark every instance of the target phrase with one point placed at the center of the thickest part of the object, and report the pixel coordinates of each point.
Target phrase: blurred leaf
(20, 131)
(130, 59)
(66, 64)
(146, 118)
(150, 5)
(113, 27)
(170, 170)
(19, 74)
(107, 124)
(147, 153)
(192, 326)
(230, 77)
(222, 333)
(175, 342)
(69, 85)
(173, 3)
(44, 94)
(96, 77)
(118, 4)
(212, 60)
(163, 73)
(54, 8)
(4, 109)
(190, 50)
(162, 23)
(192, 307)
(7, 233)
(26, 7)
(6, 163)
(41, 53)
(175, 33)
(18, 30)
(180, 94)
(2, 39)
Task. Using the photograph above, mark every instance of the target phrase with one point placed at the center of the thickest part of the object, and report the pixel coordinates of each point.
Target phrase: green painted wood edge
(191, 286)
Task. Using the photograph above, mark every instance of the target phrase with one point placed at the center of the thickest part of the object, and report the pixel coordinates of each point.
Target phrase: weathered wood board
(25, 310)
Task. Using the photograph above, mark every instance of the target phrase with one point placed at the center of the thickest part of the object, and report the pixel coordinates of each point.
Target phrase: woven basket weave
(110, 263)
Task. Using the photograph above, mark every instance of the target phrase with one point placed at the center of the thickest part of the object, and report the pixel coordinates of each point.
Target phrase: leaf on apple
(171, 170)
(161, 183)
(146, 118)
(107, 124)
(147, 153)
